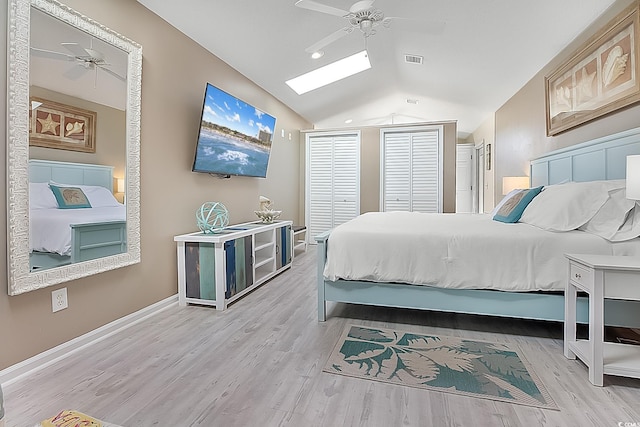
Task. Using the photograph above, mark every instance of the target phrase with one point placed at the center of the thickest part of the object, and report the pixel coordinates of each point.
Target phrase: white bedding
(464, 251)
(50, 231)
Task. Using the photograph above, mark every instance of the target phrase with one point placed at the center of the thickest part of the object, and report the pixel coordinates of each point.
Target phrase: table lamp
(510, 183)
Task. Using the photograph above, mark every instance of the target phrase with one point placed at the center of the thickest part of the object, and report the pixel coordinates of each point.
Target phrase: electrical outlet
(59, 300)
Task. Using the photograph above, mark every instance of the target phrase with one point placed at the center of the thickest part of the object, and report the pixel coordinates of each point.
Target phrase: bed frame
(599, 159)
(88, 241)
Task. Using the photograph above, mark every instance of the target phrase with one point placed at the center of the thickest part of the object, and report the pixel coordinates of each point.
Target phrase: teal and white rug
(448, 364)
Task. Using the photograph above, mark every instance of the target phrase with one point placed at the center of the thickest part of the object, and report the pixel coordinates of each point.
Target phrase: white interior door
(464, 178)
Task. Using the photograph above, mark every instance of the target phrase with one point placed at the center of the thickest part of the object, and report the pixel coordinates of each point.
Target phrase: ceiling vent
(413, 59)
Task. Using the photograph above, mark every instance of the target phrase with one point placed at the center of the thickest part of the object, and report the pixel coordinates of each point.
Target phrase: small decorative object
(266, 214)
(212, 217)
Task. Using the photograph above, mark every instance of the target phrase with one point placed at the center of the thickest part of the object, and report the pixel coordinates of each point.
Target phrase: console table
(216, 269)
(601, 276)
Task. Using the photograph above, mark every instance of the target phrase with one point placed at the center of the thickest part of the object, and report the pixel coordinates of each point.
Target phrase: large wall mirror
(73, 123)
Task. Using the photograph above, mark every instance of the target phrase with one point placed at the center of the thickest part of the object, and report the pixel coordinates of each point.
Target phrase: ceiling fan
(361, 16)
(88, 58)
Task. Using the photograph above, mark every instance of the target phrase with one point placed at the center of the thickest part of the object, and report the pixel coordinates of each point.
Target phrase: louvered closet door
(411, 171)
(425, 195)
(397, 173)
(345, 179)
(333, 187)
(320, 185)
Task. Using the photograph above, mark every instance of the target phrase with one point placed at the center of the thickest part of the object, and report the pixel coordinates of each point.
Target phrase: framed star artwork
(601, 77)
(55, 125)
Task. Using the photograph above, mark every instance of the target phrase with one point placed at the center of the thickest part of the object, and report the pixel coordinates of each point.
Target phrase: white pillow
(566, 207)
(611, 216)
(99, 197)
(41, 196)
(631, 227)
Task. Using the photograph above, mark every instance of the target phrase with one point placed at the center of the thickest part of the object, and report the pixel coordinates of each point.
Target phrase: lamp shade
(633, 177)
(510, 183)
(120, 185)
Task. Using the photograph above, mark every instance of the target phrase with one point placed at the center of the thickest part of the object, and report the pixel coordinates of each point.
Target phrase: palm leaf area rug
(448, 364)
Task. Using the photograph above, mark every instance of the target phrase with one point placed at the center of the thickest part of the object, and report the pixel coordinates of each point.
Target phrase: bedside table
(601, 276)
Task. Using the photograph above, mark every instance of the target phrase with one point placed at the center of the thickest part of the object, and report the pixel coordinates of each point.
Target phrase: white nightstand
(601, 276)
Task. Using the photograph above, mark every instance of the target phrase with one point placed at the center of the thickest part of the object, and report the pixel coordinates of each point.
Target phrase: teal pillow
(70, 197)
(512, 210)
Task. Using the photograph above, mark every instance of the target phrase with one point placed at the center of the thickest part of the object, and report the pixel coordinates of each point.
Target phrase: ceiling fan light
(330, 73)
(317, 54)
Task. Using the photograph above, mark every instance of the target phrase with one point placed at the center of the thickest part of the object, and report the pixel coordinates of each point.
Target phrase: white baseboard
(40, 361)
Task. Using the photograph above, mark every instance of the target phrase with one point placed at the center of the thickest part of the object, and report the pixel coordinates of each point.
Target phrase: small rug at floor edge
(449, 364)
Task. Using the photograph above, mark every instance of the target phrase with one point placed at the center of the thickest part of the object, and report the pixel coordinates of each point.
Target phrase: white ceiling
(486, 52)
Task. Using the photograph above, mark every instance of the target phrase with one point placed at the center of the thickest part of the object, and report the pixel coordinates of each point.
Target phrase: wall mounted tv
(234, 138)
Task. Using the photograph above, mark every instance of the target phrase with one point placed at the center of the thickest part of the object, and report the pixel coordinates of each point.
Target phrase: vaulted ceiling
(477, 53)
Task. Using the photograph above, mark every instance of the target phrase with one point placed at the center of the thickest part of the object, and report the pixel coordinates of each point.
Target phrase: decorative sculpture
(266, 214)
(212, 217)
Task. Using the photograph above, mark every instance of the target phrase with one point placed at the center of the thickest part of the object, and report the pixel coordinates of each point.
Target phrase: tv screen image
(235, 137)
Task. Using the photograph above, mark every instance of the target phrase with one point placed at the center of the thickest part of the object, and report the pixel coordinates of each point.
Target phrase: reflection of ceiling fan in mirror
(364, 17)
(86, 58)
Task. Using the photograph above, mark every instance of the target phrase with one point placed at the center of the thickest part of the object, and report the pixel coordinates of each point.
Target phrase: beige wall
(175, 71)
(520, 129)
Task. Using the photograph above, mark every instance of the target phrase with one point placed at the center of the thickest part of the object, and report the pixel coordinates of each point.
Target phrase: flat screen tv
(234, 138)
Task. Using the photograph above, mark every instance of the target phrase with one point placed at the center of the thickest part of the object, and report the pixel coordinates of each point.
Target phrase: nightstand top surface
(607, 262)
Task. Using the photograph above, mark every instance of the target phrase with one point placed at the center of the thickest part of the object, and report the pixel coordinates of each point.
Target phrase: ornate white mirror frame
(20, 278)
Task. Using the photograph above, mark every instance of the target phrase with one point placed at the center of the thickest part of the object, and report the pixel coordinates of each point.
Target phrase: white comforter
(50, 231)
(465, 251)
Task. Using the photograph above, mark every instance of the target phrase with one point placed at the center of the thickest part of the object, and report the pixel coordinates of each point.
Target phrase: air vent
(413, 59)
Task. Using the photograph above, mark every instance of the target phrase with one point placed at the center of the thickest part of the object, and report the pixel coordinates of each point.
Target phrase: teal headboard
(598, 159)
(71, 173)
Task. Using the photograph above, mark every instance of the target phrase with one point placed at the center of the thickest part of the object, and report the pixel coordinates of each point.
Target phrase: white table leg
(570, 297)
(596, 330)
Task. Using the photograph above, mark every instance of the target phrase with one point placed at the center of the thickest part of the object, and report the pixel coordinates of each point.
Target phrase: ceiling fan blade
(76, 49)
(44, 53)
(113, 73)
(415, 25)
(319, 7)
(329, 39)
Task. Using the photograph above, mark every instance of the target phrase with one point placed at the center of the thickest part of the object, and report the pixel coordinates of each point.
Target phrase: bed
(463, 279)
(73, 215)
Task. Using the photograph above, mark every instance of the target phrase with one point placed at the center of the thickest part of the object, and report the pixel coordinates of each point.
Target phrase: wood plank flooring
(260, 364)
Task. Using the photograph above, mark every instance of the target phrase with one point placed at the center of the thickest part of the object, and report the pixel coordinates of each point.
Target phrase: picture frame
(601, 77)
(60, 126)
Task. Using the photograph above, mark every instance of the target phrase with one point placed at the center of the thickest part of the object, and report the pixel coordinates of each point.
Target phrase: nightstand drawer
(581, 276)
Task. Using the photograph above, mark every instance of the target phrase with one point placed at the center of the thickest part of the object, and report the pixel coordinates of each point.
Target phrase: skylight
(330, 73)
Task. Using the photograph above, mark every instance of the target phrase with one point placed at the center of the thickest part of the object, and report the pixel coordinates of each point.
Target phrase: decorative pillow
(73, 418)
(566, 207)
(512, 209)
(41, 196)
(98, 196)
(70, 197)
(504, 200)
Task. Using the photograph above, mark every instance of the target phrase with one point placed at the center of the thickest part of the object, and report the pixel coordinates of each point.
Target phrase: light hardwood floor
(260, 364)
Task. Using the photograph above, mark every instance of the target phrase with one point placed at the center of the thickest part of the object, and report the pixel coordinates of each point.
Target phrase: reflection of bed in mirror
(62, 236)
